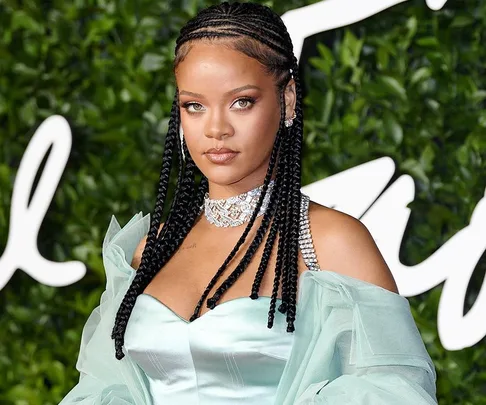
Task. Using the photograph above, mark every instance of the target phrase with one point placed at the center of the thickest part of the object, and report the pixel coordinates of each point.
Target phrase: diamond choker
(236, 210)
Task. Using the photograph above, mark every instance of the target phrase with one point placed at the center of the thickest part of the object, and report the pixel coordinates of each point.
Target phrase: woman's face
(230, 113)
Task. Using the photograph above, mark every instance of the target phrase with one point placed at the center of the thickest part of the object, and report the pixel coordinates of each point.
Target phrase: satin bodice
(226, 356)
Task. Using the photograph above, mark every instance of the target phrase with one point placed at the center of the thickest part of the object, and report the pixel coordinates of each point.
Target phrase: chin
(223, 175)
(223, 179)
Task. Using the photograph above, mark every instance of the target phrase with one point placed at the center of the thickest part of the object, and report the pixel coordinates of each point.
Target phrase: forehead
(210, 64)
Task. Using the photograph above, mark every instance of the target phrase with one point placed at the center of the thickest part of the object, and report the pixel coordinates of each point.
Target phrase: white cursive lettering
(21, 251)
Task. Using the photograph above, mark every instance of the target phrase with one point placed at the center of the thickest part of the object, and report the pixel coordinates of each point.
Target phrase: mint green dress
(355, 344)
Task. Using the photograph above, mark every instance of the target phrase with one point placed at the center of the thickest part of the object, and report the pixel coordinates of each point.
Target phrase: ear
(290, 98)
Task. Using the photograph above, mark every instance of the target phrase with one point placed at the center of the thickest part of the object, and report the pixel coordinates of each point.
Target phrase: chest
(182, 281)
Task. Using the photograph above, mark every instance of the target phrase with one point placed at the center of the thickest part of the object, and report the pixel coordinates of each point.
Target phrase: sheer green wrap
(355, 343)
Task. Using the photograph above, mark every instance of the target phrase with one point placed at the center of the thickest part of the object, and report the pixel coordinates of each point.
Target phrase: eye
(244, 103)
(196, 107)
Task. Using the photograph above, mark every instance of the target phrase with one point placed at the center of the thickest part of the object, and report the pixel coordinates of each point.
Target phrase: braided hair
(260, 33)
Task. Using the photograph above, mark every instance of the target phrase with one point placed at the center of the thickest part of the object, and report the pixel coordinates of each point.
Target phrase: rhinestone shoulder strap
(305, 238)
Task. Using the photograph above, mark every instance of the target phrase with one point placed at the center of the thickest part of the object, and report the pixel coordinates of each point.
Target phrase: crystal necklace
(236, 210)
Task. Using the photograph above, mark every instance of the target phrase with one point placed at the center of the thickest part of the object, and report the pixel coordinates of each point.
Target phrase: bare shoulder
(344, 245)
(137, 255)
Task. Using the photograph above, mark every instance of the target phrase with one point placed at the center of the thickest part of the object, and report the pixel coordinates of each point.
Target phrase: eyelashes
(250, 101)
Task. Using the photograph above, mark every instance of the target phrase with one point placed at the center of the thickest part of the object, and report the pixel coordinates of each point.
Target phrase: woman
(269, 326)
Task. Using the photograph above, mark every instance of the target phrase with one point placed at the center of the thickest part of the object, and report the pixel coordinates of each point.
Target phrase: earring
(290, 121)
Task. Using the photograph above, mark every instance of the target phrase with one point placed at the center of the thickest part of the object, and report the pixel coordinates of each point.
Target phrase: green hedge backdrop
(408, 83)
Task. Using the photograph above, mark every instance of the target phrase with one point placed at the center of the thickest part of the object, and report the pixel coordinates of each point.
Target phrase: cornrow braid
(170, 143)
(256, 31)
(296, 199)
(274, 227)
(281, 222)
(282, 265)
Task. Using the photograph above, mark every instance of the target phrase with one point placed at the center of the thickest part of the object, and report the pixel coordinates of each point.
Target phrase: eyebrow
(230, 92)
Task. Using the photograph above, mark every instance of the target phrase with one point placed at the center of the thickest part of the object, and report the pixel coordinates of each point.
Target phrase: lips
(220, 156)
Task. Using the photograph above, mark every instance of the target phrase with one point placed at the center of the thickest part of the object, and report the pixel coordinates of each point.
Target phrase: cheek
(260, 130)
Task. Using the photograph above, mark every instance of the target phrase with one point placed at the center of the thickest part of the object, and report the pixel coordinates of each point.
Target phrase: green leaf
(321, 64)
(420, 74)
(432, 42)
(411, 25)
(21, 20)
(383, 58)
(28, 111)
(427, 158)
(325, 53)
(413, 167)
(462, 21)
(350, 49)
(152, 62)
(393, 128)
(328, 104)
(393, 86)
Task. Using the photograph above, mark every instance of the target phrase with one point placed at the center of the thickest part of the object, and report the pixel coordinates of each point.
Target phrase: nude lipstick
(220, 156)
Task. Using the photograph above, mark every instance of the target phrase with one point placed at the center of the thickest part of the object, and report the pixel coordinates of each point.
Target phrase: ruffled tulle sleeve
(104, 380)
(355, 344)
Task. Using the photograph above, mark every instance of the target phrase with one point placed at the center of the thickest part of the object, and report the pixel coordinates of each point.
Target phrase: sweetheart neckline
(187, 322)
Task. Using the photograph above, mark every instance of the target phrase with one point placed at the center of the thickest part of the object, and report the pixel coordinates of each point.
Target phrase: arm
(363, 347)
(104, 380)
(344, 245)
(137, 255)
(376, 357)
(101, 380)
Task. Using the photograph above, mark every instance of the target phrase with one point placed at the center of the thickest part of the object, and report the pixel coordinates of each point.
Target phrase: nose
(217, 125)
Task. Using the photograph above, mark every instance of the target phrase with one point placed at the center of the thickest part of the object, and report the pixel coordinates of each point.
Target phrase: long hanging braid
(258, 32)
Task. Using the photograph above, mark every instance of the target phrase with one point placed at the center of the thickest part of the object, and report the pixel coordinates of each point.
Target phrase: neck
(218, 191)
